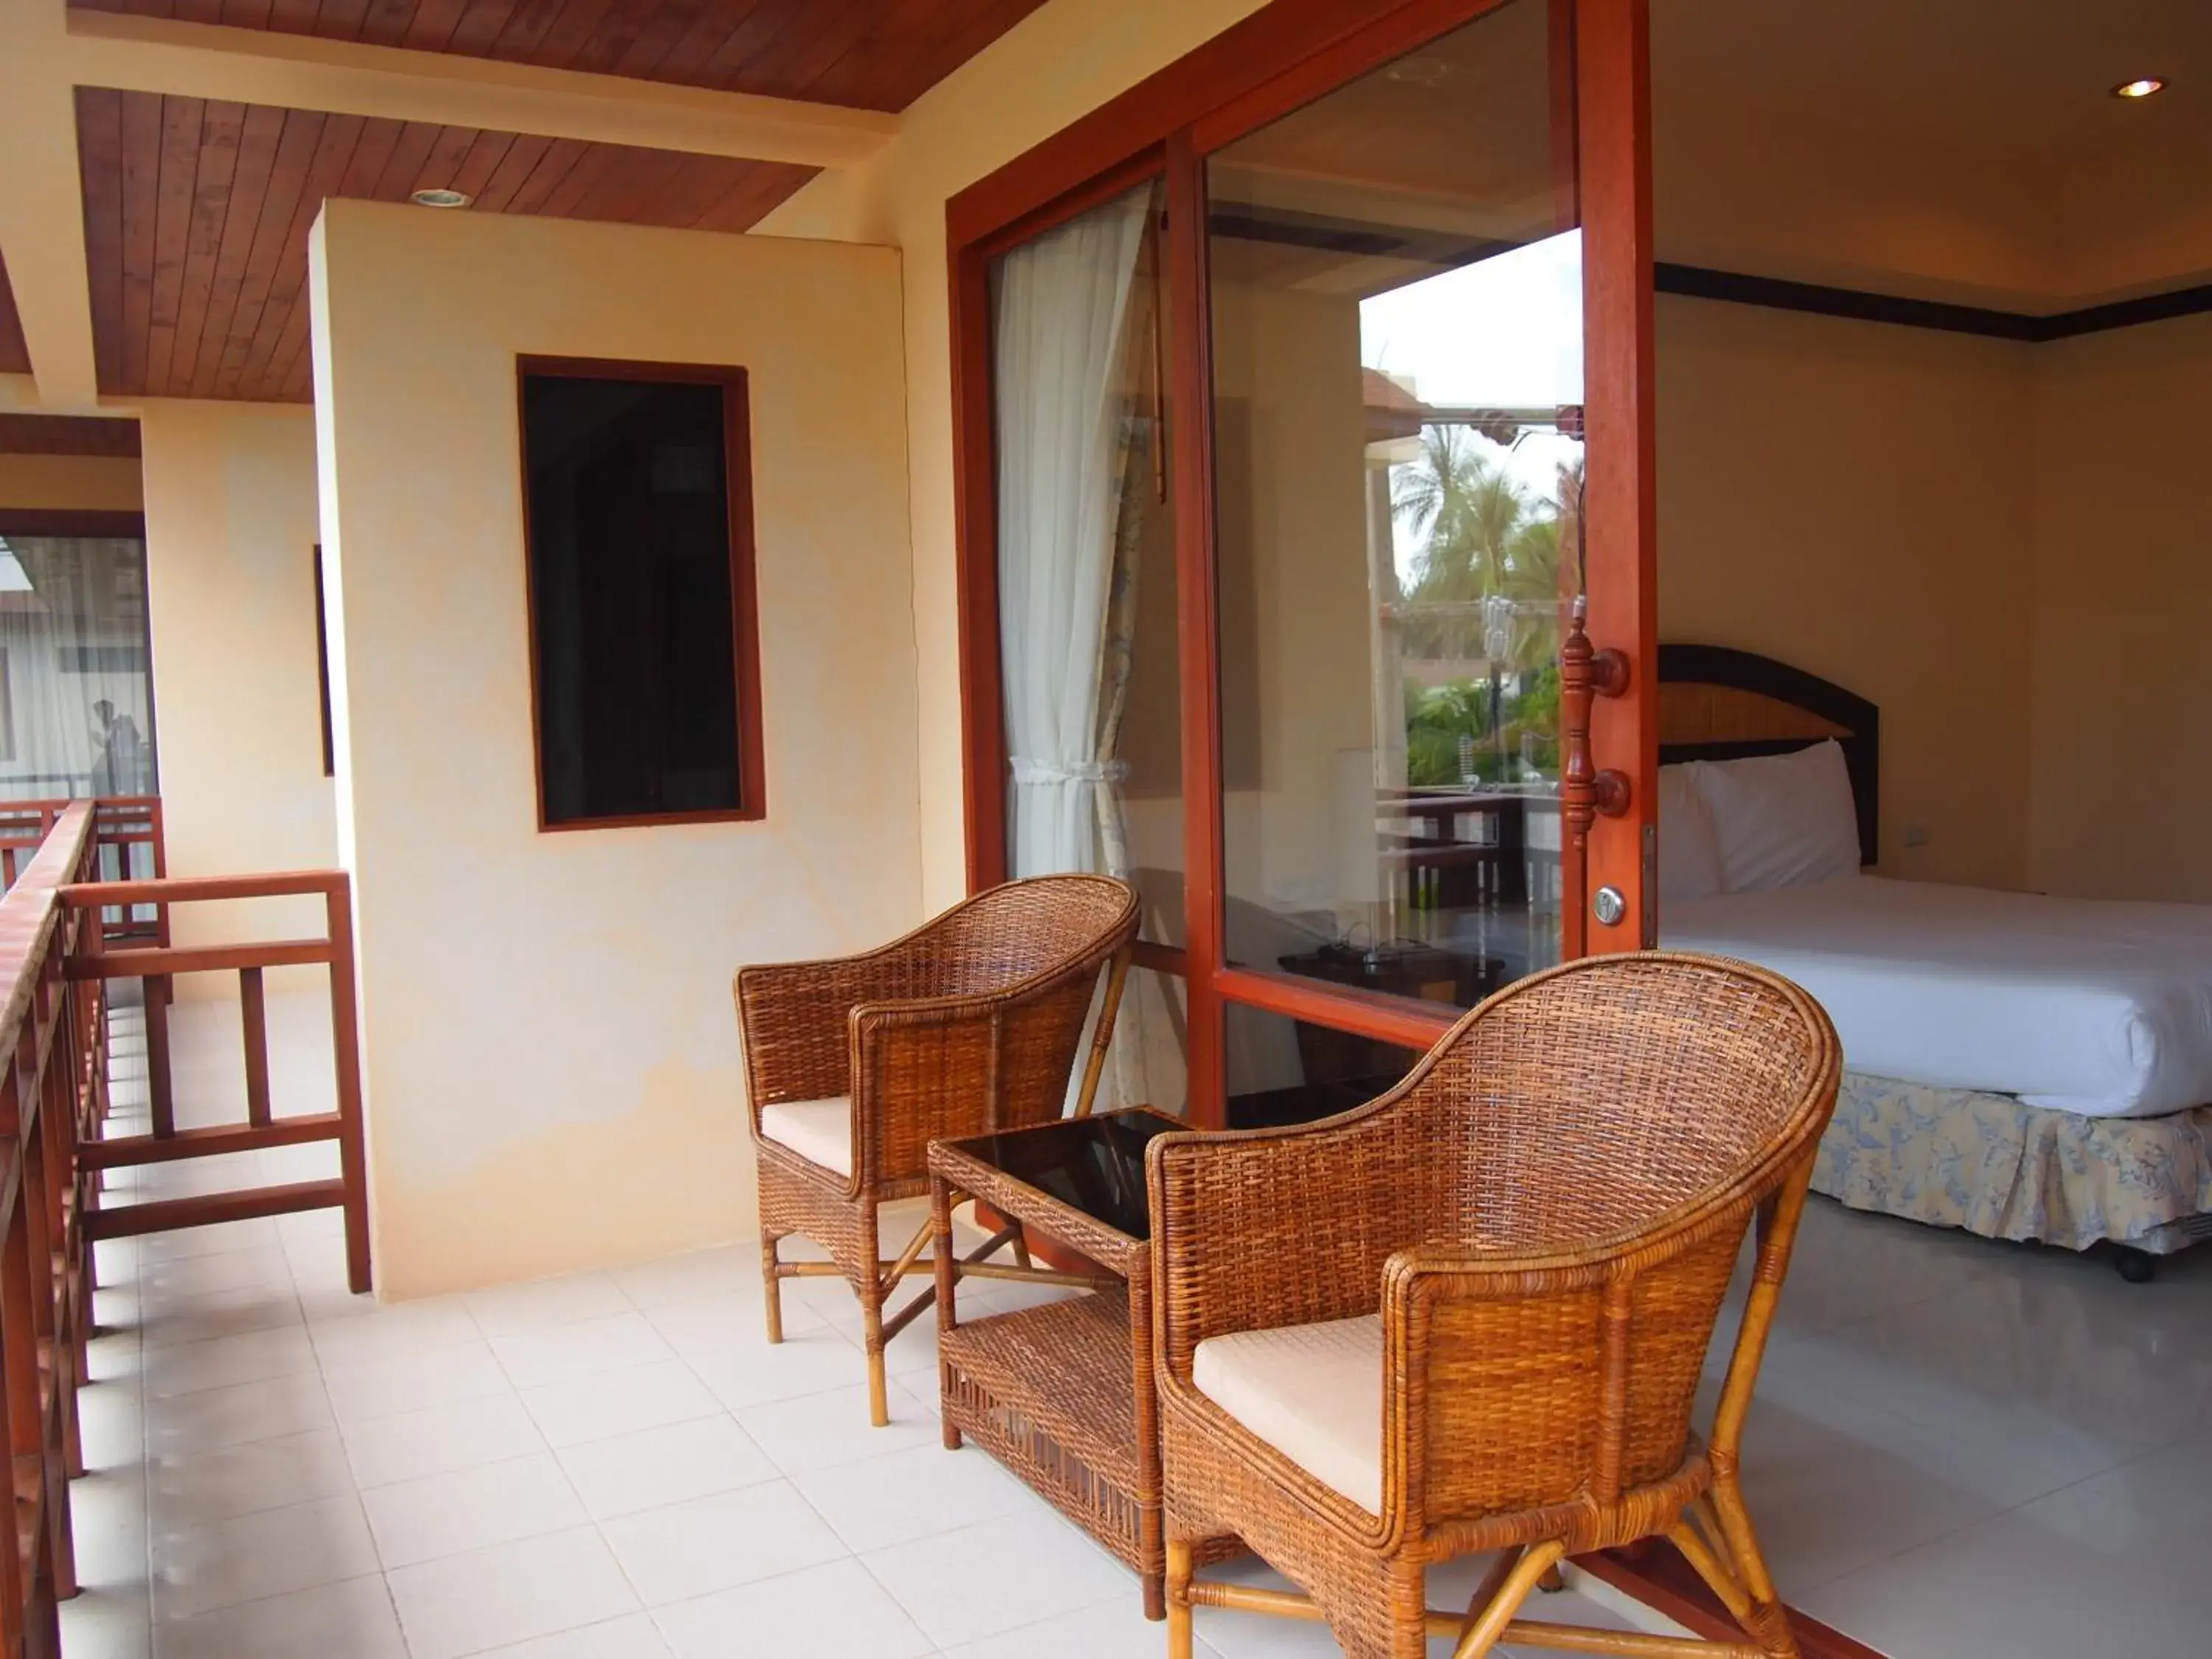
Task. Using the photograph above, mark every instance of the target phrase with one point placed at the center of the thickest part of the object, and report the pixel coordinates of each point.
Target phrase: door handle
(1586, 673)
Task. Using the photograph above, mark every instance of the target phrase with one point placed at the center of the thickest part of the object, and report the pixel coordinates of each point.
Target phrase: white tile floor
(1962, 1449)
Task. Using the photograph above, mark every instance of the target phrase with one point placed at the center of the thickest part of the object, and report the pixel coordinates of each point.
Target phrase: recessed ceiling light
(2142, 87)
(439, 198)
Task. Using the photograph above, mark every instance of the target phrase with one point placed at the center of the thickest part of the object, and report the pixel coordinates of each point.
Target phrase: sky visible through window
(1503, 333)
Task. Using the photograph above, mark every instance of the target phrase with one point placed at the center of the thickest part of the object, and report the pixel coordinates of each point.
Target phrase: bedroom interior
(1924, 440)
(1926, 488)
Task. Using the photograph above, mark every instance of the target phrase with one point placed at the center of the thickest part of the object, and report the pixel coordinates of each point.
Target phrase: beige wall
(1855, 499)
(1775, 191)
(1064, 59)
(230, 534)
(2003, 545)
(1849, 207)
(2122, 561)
(107, 483)
(2133, 228)
(553, 1073)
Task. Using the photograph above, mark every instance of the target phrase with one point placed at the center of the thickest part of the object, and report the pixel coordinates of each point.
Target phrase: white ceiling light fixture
(2142, 87)
(438, 198)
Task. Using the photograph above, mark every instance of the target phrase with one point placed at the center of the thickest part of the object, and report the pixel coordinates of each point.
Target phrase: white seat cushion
(1312, 1392)
(819, 1131)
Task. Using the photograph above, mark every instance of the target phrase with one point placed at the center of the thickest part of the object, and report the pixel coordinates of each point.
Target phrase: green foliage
(1487, 539)
(1436, 718)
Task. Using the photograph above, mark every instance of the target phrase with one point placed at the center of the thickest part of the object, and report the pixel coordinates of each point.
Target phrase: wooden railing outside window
(88, 903)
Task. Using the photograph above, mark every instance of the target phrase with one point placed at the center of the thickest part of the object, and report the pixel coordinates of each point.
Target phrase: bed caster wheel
(2136, 1267)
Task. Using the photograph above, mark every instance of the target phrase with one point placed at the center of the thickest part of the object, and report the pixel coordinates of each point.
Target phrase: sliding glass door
(1397, 354)
(1315, 448)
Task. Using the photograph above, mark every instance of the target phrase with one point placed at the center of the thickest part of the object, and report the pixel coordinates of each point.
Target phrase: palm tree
(1469, 509)
(1492, 556)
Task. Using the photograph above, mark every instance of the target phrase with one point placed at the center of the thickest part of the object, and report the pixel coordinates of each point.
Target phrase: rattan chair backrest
(1029, 954)
(1626, 1116)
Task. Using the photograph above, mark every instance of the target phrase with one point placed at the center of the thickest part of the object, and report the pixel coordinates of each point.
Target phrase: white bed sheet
(2096, 1006)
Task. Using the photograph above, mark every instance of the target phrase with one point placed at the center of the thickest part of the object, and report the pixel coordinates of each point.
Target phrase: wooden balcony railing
(87, 903)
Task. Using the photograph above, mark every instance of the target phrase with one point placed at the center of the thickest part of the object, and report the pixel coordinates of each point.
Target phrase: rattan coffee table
(1061, 1395)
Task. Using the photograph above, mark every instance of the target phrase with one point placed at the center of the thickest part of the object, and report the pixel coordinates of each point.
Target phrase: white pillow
(1689, 849)
(1782, 820)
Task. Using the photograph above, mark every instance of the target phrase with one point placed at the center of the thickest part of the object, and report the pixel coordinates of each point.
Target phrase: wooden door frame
(1276, 60)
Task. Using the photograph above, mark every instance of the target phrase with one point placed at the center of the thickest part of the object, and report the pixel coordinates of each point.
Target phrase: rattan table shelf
(1061, 1395)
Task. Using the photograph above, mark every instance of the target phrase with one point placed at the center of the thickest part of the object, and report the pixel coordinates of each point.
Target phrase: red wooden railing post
(58, 949)
(254, 1022)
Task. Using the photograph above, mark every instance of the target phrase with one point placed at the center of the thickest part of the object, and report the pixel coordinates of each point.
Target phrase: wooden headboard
(1718, 703)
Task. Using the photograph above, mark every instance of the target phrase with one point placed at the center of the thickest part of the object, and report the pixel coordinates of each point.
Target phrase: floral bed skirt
(1994, 1166)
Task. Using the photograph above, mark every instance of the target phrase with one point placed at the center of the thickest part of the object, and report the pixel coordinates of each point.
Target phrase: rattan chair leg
(1487, 1592)
(1178, 1596)
(1738, 1538)
(1102, 1033)
(771, 1287)
(1767, 1619)
(1709, 1567)
(880, 1405)
(869, 1287)
(1484, 1634)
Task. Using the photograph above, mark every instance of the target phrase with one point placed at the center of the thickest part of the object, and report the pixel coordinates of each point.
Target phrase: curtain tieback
(1036, 771)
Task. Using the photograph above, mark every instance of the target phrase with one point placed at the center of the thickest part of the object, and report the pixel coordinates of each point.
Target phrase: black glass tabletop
(1094, 1165)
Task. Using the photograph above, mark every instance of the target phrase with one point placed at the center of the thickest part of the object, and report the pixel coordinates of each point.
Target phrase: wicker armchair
(1472, 1315)
(968, 1025)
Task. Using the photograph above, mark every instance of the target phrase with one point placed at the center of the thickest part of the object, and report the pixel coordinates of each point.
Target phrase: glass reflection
(1397, 348)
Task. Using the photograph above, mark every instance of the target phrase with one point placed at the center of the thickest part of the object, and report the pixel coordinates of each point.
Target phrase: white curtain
(76, 697)
(1075, 420)
(1064, 308)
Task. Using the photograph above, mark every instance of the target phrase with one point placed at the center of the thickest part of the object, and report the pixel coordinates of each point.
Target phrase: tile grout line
(345, 1455)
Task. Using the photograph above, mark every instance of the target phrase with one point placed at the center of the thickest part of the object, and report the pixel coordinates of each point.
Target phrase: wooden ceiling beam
(134, 53)
(42, 205)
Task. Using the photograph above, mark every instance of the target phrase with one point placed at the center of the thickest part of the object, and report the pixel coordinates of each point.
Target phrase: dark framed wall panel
(72, 521)
(744, 795)
(322, 669)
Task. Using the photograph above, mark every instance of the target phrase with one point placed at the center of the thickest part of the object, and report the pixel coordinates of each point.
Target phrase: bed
(2024, 1067)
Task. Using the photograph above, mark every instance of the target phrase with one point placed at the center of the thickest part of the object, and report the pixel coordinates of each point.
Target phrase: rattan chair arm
(1421, 1352)
(1257, 1229)
(795, 1019)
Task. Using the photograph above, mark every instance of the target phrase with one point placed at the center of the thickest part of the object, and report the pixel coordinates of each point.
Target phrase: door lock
(1609, 905)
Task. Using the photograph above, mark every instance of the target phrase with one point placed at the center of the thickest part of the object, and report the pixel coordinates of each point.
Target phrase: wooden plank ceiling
(14, 354)
(197, 213)
(874, 54)
(197, 216)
